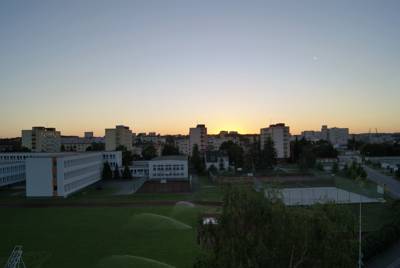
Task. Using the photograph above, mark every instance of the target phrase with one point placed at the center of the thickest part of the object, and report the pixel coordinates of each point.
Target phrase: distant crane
(15, 260)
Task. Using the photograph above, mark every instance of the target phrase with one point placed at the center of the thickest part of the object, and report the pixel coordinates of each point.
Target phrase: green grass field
(101, 237)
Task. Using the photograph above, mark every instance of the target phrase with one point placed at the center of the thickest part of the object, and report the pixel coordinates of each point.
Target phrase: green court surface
(101, 237)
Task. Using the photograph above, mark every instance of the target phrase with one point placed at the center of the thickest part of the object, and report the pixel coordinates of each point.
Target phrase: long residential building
(280, 135)
(118, 136)
(41, 139)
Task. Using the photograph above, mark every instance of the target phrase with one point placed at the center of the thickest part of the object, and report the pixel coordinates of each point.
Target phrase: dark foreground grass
(96, 237)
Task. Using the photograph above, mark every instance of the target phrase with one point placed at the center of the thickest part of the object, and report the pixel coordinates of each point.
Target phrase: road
(392, 185)
(389, 258)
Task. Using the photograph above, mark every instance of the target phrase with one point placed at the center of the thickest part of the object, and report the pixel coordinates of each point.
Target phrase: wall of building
(280, 135)
(168, 169)
(78, 171)
(11, 172)
(39, 177)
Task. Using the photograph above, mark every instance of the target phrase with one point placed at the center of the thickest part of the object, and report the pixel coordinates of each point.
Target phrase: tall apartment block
(198, 135)
(280, 135)
(120, 135)
(41, 139)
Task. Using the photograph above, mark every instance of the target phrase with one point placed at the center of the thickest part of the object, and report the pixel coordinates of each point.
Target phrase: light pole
(359, 239)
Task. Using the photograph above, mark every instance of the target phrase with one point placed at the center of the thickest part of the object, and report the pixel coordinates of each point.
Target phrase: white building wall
(120, 135)
(168, 169)
(77, 172)
(198, 135)
(280, 135)
(183, 145)
(39, 177)
(11, 172)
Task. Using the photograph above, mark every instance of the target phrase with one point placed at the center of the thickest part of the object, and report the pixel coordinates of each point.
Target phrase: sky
(166, 65)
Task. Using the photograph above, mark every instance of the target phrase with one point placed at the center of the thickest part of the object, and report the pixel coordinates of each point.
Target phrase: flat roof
(171, 157)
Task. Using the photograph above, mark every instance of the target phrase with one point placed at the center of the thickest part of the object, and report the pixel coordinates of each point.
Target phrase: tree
(268, 155)
(307, 158)
(197, 160)
(320, 166)
(107, 172)
(323, 149)
(126, 174)
(149, 152)
(96, 146)
(170, 149)
(253, 231)
(235, 153)
(117, 174)
(335, 168)
(252, 157)
(127, 156)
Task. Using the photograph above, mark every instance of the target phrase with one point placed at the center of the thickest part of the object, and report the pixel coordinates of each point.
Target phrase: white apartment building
(120, 135)
(215, 141)
(60, 175)
(311, 135)
(75, 143)
(183, 145)
(280, 135)
(41, 139)
(198, 135)
(11, 172)
(169, 168)
(338, 137)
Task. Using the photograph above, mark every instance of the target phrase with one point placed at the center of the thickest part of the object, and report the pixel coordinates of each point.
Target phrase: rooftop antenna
(15, 260)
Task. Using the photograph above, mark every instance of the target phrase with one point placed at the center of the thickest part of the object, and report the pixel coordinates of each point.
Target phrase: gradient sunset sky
(166, 65)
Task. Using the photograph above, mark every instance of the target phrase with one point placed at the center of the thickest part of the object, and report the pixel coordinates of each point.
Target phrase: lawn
(101, 237)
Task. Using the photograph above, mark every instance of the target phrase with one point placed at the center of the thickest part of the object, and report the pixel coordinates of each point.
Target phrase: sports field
(101, 237)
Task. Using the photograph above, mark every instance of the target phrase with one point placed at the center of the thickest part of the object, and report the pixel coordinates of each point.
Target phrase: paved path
(389, 259)
(391, 184)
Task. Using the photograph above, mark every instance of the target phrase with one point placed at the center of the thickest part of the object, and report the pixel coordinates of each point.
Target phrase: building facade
(62, 174)
(198, 136)
(338, 137)
(11, 172)
(169, 168)
(75, 144)
(120, 135)
(280, 135)
(41, 139)
(182, 143)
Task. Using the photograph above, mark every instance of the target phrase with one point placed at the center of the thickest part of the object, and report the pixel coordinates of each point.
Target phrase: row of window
(13, 157)
(12, 178)
(167, 167)
(13, 169)
(173, 174)
(70, 187)
(82, 161)
(108, 156)
(77, 172)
